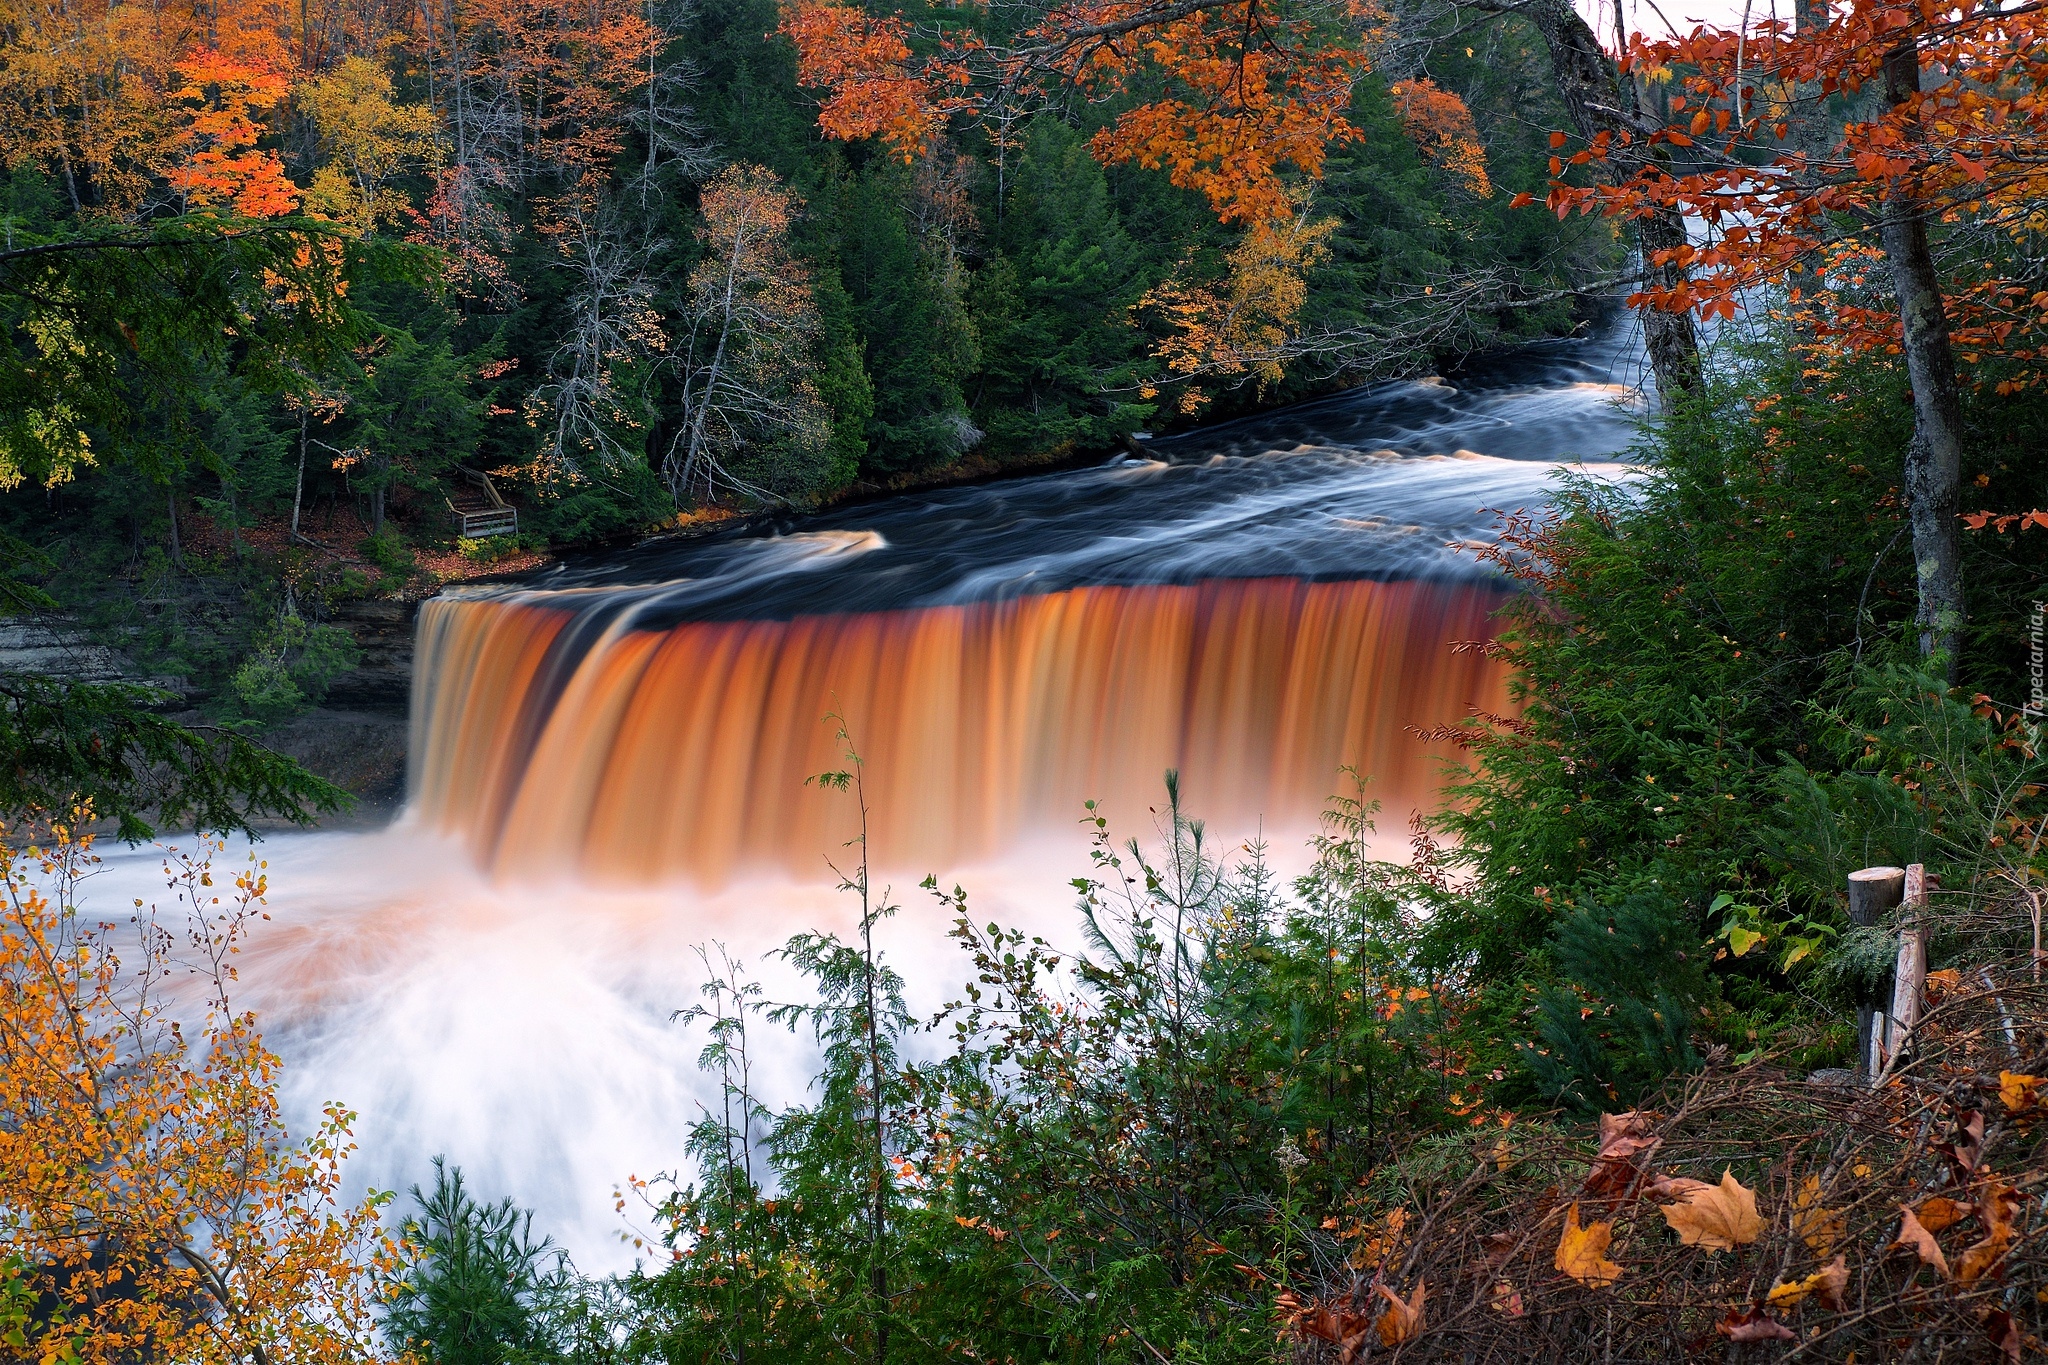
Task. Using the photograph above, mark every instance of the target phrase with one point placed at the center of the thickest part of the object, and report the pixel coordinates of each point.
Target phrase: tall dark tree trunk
(1934, 460)
(1600, 99)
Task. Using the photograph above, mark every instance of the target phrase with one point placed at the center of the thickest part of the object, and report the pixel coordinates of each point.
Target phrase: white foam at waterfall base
(523, 1029)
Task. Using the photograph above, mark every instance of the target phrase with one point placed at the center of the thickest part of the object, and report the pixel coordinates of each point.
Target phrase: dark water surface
(1392, 480)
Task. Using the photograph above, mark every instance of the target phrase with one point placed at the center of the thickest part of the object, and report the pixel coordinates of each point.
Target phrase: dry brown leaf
(1911, 1234)
(2021, 1093)
(1718, 1217)
(1623, 1136)
(1816, 1225)
(1582, 1252)
(1828, 1284)
(1755, 1325)
(2004, 1334)
(1403, 1318)
(1674, 1186)
(1340, 1327)
(1995, 1209)
(1939, 1211)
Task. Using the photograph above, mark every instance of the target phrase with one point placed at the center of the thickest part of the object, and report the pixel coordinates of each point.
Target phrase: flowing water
(609, 759)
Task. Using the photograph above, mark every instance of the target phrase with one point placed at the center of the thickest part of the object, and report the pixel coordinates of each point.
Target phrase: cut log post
(1909, 976)
(1874, 892)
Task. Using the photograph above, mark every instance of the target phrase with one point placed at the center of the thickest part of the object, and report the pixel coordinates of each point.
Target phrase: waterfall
(555, 729)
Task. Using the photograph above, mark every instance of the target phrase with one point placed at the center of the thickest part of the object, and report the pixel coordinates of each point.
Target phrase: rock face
(362, 752)
(356, 740)
(57, 647)
(382, 682)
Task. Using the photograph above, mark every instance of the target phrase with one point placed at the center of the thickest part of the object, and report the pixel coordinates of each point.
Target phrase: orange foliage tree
(1228, 94)
(152, 1206)
(1238, 100)
(1811, 206)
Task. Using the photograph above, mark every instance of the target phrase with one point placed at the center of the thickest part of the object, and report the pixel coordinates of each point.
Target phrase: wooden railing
(495, 517)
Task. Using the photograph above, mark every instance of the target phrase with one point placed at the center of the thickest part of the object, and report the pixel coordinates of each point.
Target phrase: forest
(610, 259)
(1616, 1063)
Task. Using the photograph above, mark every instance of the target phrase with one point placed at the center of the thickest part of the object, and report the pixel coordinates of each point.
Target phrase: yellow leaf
(1720, 1217)
(1582, 1252)
(1819, 1227)
(1911, 1234)
(1742, 940)
(1403, 1318)
(2019, 1092)
(1829, 1283)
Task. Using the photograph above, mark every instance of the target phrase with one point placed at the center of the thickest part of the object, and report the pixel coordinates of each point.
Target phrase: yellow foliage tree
(152, 1206)
(1242, 325)
(369, 140)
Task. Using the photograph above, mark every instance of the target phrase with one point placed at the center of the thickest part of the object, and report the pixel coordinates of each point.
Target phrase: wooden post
(1909, 977)
(1873, 893)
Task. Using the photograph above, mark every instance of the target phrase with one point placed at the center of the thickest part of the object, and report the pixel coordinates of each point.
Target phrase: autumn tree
(154, 1205)
(1237, 102)
(751, 420)
(1946, 163)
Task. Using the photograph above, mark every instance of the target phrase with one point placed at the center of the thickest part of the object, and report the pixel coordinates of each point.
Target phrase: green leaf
(1741, 940)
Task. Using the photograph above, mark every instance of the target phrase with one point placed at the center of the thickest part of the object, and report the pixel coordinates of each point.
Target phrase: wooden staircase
(479, 511)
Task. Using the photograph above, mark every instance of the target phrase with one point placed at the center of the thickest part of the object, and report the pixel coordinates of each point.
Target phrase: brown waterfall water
(609, 758)
(646, 755)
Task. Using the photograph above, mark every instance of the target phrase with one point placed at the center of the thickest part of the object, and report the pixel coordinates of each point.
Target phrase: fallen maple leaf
(1582, 1252)
(1717, 1217)
(1828, 1284)
(1507, 1299)
(2020, 1092)
(1911, 1234)
(1623, 1139)
(1663, 1186)
(1755, 1325)
(1626, 1135)
(1939, 1211)
(1996, 1209)
(1816, 1225)
(1403, 1318)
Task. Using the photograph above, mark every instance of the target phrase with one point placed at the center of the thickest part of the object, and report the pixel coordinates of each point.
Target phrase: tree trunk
(299, 483)
(1600, 100)
(1934, 460)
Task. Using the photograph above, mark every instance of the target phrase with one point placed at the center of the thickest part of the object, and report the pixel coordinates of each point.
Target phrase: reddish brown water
(643, 755)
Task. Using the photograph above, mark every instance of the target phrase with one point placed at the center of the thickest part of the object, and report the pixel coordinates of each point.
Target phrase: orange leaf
(1403, 1318)
(1582, 1252)
(1911, 1234)
(1719, 1217)
(1939, 1211)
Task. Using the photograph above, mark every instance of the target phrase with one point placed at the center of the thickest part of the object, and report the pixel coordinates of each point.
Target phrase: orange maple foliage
(155, 1208)
(865, 61)
(1439, 123)
(1237, 93)
(1786, 198)
(216, 161)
